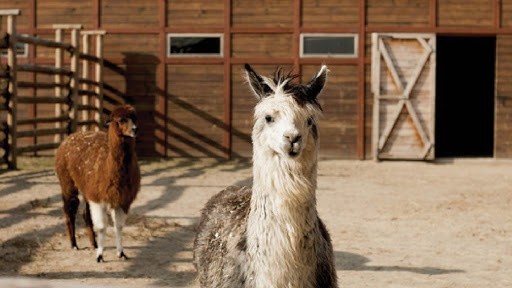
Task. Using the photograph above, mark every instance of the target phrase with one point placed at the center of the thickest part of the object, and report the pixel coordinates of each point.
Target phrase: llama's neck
(120, 154)
(282, 220)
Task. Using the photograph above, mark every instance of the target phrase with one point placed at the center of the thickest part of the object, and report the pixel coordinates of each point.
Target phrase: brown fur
(102, 166)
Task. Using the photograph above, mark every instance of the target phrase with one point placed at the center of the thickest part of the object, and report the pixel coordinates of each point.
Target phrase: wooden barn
(409, 79)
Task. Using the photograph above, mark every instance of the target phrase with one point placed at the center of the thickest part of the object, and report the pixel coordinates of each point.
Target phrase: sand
(393, 224)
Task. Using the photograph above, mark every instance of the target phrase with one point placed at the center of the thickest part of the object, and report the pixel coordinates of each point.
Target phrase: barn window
(194, 45)
(21, 50)
(328, 45)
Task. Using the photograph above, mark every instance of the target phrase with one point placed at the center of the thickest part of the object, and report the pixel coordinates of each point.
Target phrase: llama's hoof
(74, 247)
(99, 259)
(123, 256)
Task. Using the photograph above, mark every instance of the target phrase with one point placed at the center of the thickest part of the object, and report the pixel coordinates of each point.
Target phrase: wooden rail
(74, 92)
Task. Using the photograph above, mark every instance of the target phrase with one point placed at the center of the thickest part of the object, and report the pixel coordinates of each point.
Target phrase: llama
(271, 235)
(103, 167)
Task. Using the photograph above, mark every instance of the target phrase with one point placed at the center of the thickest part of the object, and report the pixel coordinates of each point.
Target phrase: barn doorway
(465, 71)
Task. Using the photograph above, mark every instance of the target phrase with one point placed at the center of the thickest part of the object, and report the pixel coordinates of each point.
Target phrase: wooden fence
(77, 97)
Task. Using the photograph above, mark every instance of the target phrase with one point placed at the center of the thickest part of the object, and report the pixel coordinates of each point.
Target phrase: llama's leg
(89, 224)
(71, 202)
(119, 218)
(100, 221)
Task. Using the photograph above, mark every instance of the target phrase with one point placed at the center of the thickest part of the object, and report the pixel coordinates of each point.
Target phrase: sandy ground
(393, 224)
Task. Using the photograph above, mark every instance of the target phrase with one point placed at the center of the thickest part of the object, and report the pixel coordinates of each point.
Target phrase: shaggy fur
(103, 167)
(271, 235)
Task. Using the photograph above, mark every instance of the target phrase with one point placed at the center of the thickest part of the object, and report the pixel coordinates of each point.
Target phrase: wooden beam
(391, 67)
(228, 99)
(73, 113)
(96, 14)
(161, 103)
(361, 81)
(296, 37)
(13, 91)
(497, 13)
(9, 12)
(98, 78)
(59, 58)
(32, 52)
(432, 13)
(42, 42)
(42, 120)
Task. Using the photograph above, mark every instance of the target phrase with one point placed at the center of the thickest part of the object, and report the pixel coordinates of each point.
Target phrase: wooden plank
(9, 12)
(42, 42)
(361, 80)
(417, 123)
(375, 86)
(85, 75)
(12, 116)
(40, 85)
(37, 147)
(98, 78)
(389, 64)
(42, 100)
(473, 13)
(391, 124)
(40, 132)
(75, 42)
(430, 154)
(42, 120)
(416, 74)
(228, 99)
(44, 69)
(59, 59)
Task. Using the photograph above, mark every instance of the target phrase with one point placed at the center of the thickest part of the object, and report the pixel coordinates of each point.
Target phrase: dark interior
(465, 96)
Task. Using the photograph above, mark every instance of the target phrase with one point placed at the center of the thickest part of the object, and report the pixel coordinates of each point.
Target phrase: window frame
(25, 50)
(195, 55)
(329, 55)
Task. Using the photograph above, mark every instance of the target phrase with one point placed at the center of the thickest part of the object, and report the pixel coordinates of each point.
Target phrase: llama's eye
(123, 120)
(268, 118)
(310, 121)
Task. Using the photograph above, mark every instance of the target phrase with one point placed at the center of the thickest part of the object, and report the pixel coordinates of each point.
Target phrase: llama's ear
(316, 84)
(259, 86)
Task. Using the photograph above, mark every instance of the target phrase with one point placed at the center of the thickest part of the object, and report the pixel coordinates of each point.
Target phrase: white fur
(100, 222)
(99, 218)
(119, 218)
(283, 191)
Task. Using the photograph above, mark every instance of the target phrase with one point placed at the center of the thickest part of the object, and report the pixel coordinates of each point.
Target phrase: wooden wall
(201, 107)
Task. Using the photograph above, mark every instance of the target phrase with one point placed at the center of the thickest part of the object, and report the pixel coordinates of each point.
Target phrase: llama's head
(286, 114)
(123, 121)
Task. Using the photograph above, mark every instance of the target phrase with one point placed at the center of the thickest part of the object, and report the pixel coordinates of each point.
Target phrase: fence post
(99, 79)
(74, 80)
(85, 76)
(13, 90)
(59, 59)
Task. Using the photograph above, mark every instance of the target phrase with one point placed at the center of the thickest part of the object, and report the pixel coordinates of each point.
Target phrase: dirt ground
(393, 224)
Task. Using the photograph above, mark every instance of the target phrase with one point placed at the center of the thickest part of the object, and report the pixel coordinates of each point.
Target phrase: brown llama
(271, 236)
(103, 167)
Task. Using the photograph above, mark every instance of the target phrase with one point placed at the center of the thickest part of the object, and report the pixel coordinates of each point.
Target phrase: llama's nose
(293, 138)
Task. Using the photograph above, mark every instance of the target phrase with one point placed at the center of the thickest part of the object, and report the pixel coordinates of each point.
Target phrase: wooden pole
(74, 79)
(85, 75)
(59, 59)
(99, 79)
(13, 103)
(228, 97)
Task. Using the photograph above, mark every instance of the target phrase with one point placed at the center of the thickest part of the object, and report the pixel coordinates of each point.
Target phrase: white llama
(271, 236)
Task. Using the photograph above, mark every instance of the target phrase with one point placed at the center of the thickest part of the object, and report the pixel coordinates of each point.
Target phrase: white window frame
(195, 55)
(329, 35)
(25, 51)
